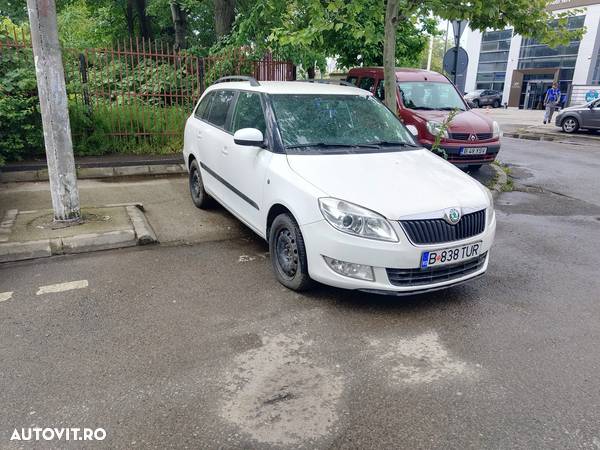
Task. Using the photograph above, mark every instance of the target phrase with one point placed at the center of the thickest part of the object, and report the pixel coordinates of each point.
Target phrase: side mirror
(249, 136)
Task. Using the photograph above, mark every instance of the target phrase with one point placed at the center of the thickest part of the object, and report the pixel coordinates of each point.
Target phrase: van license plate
(473, 151)
(451, 255)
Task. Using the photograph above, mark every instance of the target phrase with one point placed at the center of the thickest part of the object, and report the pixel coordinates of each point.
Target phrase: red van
(425, 99)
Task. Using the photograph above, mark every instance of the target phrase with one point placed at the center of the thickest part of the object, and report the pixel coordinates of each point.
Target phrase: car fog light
(351, 270)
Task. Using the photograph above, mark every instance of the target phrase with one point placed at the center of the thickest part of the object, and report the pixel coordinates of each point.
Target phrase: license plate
(473, 151)
(450, 255)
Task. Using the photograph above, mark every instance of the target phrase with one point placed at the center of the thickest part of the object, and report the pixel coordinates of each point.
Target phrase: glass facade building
(493, 58)
(534, 55)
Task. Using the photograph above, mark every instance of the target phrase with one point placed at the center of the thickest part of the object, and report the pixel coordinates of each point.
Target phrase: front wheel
(288, 253)
(475, 167)
(496, 104)
(475, 103)
(570, 125)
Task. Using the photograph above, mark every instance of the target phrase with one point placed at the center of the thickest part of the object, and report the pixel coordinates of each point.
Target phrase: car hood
(576, 107)
(395, 184)
(464, 122)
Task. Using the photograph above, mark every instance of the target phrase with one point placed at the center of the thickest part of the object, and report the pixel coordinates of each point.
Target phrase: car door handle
(225, 151)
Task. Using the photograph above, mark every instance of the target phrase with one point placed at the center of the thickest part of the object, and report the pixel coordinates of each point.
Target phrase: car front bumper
(453, 149)
(321, 239)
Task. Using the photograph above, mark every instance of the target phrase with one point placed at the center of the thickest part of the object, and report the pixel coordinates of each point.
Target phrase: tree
(309, 31)
(224, 17)
(528, 18)
(179, 24)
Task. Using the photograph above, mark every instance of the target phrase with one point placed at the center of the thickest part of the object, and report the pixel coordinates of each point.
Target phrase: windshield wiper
(448, 108)
(392, 144)
(424, 108)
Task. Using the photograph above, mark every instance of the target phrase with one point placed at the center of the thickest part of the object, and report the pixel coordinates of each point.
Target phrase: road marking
(62, 287)
(4, 296)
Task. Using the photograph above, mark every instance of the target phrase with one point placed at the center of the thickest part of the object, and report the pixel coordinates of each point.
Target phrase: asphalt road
(197, 346)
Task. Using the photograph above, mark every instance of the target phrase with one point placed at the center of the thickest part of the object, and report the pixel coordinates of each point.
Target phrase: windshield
(430, 95)
(325, 122)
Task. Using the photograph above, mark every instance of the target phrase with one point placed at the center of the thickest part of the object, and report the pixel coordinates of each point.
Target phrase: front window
(429, 95)
(338, 122)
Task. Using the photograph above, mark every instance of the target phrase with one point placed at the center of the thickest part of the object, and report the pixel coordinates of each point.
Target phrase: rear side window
(248, 113)
(352, 80)
(219, 108)
(204, 107)
(366, 83)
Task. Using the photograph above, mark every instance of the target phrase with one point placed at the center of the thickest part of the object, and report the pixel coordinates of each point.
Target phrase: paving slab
(33, 233)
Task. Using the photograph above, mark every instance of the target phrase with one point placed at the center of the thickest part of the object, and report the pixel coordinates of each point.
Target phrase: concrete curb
(500, 180)
(141, 233)
(84, 173)
(549, 137)
(144, 232)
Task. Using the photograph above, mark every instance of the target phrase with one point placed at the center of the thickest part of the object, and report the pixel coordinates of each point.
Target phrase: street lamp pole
(54, 108)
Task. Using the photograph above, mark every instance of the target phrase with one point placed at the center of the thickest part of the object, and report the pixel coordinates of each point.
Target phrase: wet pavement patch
(279, 395)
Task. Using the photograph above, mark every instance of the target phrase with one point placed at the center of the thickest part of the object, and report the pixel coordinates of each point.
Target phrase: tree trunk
(224, 16)
(389, 54)
(145, 30)
(310, 73)
(179, 24)
(129, 17)
(52, 92)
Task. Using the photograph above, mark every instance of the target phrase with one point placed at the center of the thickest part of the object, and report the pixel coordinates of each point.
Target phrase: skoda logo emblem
(452, 216)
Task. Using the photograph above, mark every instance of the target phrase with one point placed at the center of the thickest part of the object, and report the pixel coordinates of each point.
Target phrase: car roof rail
(327, 81)
(252, 80)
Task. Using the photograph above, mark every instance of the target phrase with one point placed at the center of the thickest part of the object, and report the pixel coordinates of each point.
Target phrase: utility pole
(54, 108)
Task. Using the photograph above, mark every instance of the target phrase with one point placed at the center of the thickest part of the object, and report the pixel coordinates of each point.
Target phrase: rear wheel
(288, 253)
(476, 103)
(570, 125)
(496, 104)
(199, 196)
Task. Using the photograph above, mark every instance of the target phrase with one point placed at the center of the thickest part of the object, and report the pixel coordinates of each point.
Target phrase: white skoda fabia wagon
(337, 186)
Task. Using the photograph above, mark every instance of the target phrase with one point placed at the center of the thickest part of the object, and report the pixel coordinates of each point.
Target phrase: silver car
(580, 117)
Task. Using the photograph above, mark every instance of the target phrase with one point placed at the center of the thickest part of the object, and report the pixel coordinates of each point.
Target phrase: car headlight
(495, 130)
(356, 220)
(435, 128)
(490, 211)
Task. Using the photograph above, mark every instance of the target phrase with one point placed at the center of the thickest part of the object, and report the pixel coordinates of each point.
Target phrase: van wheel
(288, 253)
(570, 125)
(199, 196)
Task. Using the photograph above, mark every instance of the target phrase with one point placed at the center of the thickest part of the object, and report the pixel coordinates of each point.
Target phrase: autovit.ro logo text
(58, 434)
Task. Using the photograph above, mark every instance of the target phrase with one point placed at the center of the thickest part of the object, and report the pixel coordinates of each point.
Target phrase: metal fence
(139, 92)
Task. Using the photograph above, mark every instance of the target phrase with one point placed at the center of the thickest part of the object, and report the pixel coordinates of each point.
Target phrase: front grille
(466, 136)
(436, 231)
(417, 277)
(458, 159)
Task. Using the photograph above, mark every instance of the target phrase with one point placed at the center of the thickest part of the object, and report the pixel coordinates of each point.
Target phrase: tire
(570, 125)
(199, 196)
(475, 167)
(288, 253)
(496, 104)
(475, 103)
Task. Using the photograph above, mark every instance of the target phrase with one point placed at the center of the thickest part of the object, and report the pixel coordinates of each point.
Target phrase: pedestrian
(551, 100)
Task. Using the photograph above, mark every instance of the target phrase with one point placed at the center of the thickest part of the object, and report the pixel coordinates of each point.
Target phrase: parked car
(425, 99)
(579, 117)
(337, 186)
(484, 97)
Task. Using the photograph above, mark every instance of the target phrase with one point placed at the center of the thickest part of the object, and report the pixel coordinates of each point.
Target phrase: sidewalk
(528, 124)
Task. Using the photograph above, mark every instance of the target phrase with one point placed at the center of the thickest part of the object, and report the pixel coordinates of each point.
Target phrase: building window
(493, 59)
